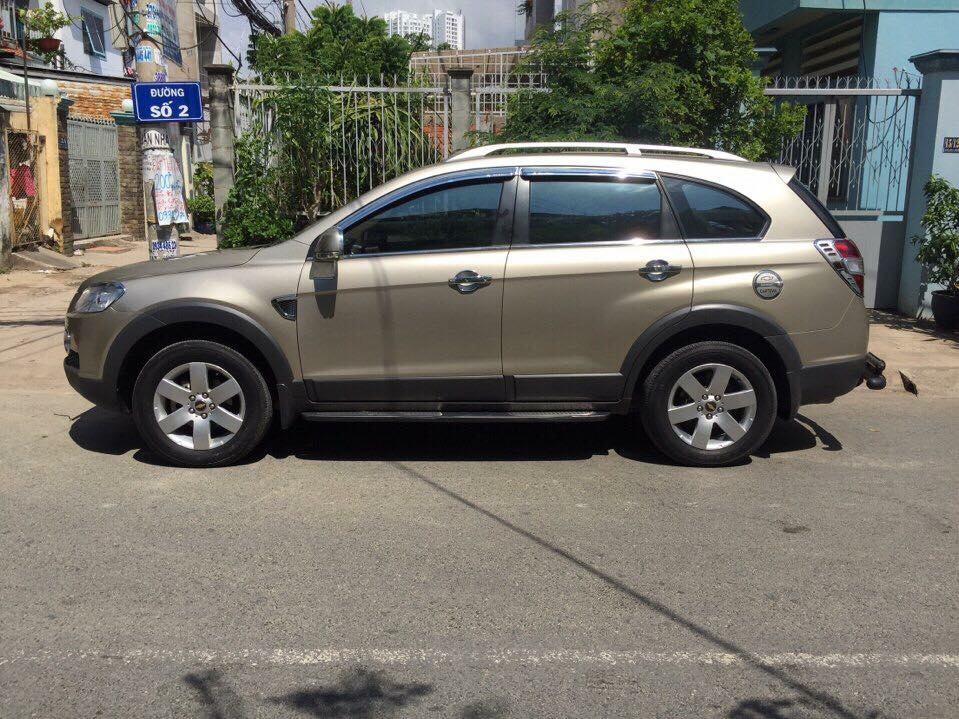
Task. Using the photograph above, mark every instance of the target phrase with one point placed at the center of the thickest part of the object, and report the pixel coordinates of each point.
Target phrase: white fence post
(221, 137)
(459, 83)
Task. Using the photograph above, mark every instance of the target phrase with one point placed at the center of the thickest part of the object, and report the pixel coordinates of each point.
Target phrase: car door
(596, 259)
(412, 312)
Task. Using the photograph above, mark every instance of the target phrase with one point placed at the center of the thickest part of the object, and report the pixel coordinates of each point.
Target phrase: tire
(209, 435)
(692, 430)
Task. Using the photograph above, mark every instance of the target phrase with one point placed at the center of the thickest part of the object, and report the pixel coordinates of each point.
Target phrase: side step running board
(565, 416)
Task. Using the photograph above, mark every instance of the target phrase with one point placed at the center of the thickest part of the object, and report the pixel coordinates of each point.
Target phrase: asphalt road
(475, 572)
(481, 571)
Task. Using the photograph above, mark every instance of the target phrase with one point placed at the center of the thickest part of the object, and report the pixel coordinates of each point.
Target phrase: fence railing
(855, 148)
(375, 132)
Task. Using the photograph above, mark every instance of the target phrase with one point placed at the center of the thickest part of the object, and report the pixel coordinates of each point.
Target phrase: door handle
(659, 270)
(467, 282)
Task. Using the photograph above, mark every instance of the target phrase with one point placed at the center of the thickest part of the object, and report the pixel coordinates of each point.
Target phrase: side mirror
(330, 246)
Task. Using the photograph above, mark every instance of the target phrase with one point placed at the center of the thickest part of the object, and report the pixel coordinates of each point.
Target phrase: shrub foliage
(675, 72)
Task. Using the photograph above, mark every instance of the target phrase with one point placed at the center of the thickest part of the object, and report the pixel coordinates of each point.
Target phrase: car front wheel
(709, 404)
(201, 404)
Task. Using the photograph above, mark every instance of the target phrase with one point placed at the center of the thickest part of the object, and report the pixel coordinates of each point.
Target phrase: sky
(489, 23)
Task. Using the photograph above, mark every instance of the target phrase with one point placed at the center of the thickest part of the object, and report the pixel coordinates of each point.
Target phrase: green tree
(419, 42)
(674, 72)
(337, 44)
(310, 151)
(285, 177)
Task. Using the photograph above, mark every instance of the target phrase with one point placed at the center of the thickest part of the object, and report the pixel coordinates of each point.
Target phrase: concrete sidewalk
(32, 305)
(929, 357)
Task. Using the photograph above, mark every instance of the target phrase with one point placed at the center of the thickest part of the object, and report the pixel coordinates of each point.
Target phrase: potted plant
(203, 210)
(201, 205)
(44, 22)
(939, 249)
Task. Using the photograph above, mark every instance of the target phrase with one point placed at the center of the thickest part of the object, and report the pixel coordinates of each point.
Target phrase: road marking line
(295, 657)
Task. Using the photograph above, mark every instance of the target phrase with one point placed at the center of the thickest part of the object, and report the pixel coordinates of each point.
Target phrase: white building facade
(442, 26)
(403, 23)
(98, 40)
(93, 43)
(449, 27)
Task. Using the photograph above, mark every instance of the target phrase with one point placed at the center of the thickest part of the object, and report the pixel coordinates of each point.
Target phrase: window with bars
(93, 35)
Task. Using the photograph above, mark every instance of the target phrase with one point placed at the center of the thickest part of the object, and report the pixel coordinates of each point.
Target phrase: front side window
(450, 218)
(567, 210)
(92, 28)
(708, 212)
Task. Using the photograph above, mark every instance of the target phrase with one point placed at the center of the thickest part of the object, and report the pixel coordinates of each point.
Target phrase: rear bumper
(101, 393)
(823, 383)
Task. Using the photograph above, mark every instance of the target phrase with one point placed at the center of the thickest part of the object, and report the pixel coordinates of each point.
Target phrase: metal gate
(94, 177)
(24, 155)
(855, 148)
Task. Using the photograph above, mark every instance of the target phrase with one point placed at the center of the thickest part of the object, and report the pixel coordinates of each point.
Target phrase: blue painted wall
(892, 33)
(890, 38)
(938, 119)
(758, 14)
(900, 35)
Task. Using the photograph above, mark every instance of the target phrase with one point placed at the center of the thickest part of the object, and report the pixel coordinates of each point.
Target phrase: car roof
(738, 174)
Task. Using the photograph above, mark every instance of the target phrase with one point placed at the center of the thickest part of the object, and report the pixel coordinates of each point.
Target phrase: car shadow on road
(481, 442)
(512, 442)
(109, 433)
(98, 430)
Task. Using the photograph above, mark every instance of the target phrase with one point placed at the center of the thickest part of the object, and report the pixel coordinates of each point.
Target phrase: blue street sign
(167, 102)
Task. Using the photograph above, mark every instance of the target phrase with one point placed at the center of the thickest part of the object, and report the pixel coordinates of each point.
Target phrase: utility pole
(289, 17)
(162, 239)
(26, 75)
(221, 137)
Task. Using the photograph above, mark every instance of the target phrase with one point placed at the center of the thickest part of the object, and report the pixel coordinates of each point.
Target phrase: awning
(11, 85)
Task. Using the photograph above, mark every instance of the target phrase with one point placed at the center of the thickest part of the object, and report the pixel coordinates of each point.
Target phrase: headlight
(98, 297)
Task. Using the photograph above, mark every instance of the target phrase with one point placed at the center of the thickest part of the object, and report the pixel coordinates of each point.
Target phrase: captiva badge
(768, 284)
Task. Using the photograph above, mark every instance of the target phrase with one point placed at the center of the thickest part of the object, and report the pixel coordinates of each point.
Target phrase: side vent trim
(286, 307)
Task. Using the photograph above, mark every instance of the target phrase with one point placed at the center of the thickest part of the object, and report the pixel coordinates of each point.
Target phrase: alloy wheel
(199, 406)
(712, 406)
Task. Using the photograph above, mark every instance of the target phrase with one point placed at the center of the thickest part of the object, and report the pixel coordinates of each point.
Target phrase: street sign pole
(167, 102)
(162, 239)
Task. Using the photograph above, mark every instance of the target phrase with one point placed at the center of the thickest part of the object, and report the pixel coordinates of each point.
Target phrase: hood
(218, 259)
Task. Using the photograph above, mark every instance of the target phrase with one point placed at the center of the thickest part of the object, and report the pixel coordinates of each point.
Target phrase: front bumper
(101, 393)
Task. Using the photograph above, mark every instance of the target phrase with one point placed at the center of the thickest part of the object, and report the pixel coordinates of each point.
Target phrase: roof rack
(625, 148)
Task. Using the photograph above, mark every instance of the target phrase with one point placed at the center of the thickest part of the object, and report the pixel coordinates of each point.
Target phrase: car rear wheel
(709, 404)
(201, 404)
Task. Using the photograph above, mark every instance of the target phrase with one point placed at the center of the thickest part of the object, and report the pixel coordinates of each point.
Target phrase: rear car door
(596, 259)
(414, 310)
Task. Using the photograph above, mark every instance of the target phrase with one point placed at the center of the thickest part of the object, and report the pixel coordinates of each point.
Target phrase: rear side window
(563, 211)
(824, 215)
(709, 212)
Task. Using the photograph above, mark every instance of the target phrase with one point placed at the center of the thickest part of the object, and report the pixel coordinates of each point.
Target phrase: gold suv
(535, 282)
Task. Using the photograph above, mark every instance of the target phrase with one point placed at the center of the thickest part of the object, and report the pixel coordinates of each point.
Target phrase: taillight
(846, 259)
